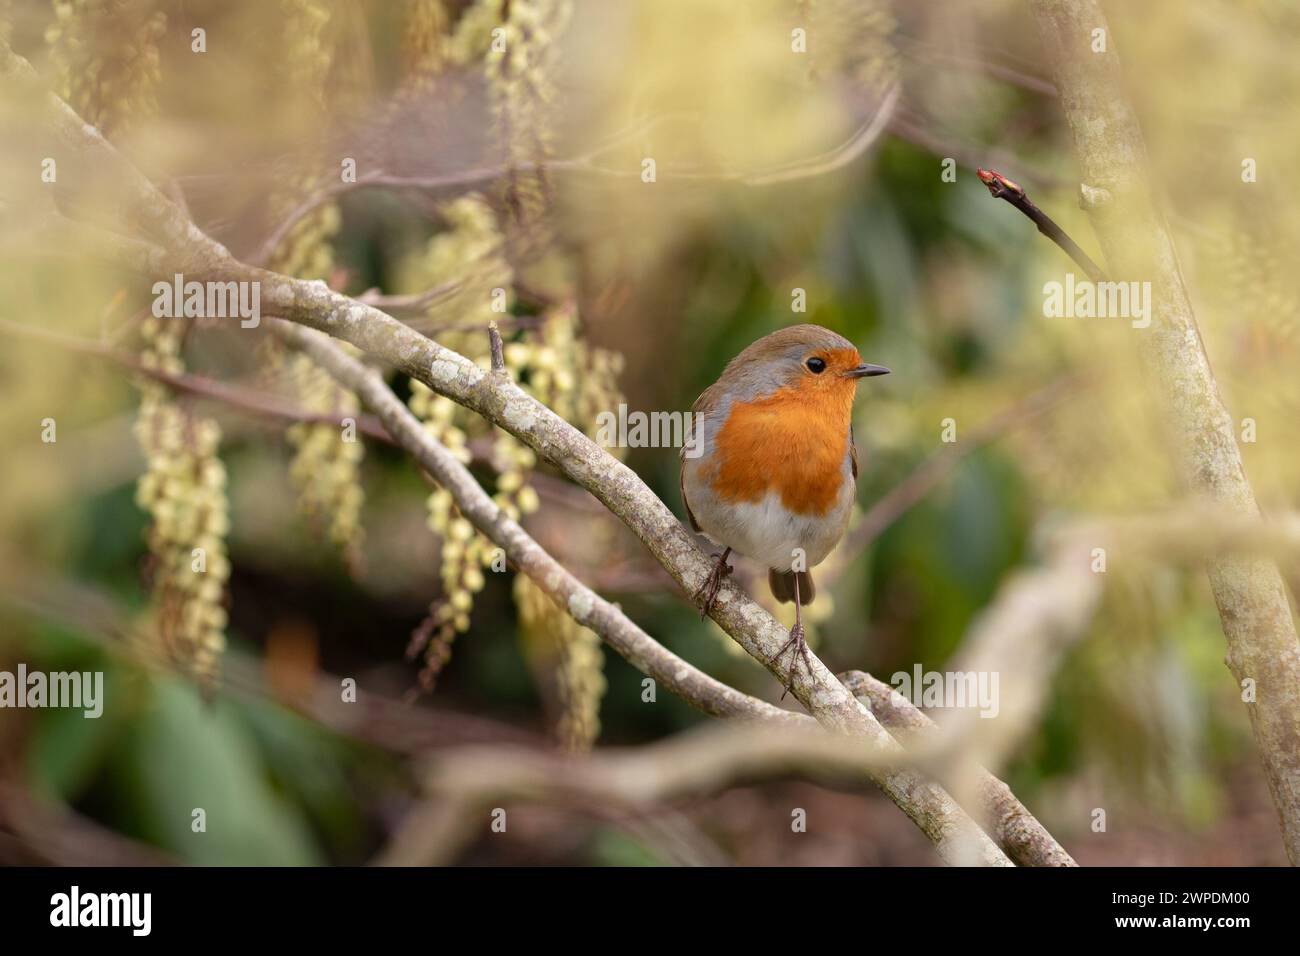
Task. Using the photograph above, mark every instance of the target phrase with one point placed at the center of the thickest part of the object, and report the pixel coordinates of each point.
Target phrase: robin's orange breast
(793, 442)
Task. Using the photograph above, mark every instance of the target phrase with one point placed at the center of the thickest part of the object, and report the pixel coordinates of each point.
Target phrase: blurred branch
(1019, 639)
(932, 54)
(34, 832)
(250, 400)
(1017, 831)
(1252, 600)
(464, 783)
(844, 154)
(69, 238)
(415, 304)
(837, 158)
(918, 131)
(1200, 534)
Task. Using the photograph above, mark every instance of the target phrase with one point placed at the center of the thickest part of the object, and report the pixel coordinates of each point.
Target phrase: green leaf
(185, 755)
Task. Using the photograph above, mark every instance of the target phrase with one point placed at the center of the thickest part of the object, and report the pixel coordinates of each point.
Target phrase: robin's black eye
(816, 365)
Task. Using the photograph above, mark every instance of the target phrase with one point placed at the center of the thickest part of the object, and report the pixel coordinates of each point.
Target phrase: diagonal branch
(463, 782)
(1026, 841)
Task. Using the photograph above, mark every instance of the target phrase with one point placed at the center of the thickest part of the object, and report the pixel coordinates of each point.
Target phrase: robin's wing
(853, 454)
(681, 457)
(695, 525)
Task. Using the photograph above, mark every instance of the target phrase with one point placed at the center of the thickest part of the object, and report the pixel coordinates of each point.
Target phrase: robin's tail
(782, 585)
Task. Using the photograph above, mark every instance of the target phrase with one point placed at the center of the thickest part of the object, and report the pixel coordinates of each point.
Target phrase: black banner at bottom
(333, 906)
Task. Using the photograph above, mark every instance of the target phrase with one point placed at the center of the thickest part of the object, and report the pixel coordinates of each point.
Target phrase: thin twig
(842, 155)
(250, 400)
(1002, 188)
(417, 303)
(497, 348)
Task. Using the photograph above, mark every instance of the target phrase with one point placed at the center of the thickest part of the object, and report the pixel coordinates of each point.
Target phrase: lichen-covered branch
(1017, 831)
(1119, 197)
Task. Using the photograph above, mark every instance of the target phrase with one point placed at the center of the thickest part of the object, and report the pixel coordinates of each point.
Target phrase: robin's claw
(712, 584)
(800, 646)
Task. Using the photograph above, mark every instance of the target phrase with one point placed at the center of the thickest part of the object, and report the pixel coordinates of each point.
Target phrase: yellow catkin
(850, 38)
(520, 68)
(307, 49)
(469, 251)
(1253, 281)
(106, 56)
(326, 467)
(571, 656)
(575, 380)
(184, 492)
(471, 37)
(424, 37)
(550, 360)
(463, 553)
(327, 458)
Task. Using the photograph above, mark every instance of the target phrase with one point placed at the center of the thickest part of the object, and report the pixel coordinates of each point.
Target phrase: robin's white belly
(768, 532)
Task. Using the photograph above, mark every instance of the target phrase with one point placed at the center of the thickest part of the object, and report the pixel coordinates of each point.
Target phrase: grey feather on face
(780, 358)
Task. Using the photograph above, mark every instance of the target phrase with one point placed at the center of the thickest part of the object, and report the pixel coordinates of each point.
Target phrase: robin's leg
(796, 642)
(712, 584)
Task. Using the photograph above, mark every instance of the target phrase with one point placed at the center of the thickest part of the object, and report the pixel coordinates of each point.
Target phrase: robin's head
(804, 359)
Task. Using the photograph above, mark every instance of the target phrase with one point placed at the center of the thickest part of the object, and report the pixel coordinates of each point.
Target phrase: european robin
(772, 467)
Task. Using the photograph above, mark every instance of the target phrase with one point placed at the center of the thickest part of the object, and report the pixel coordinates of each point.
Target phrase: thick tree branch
(1025, 840)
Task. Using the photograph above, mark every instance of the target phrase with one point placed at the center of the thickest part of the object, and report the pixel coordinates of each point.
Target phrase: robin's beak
(866, 371)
